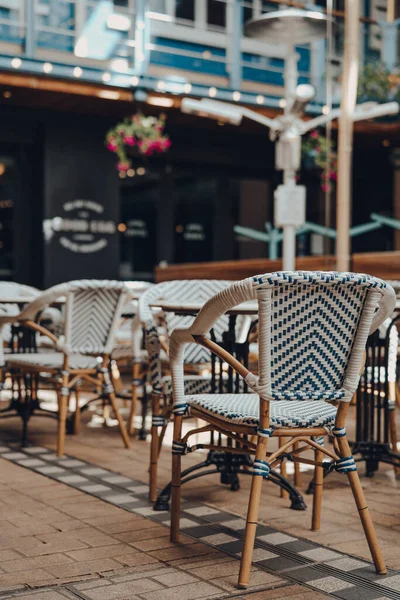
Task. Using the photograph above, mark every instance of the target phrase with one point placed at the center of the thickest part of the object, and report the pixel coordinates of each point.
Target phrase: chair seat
(51, 360)
(243, 409)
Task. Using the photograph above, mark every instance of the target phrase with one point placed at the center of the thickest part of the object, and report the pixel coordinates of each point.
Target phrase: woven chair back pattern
(188, 291)
(317, 321)
(92, 314)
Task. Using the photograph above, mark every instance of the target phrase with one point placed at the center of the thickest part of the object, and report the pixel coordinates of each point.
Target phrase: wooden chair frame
(298, 439)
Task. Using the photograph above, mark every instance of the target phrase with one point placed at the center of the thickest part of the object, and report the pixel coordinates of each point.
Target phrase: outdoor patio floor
(81, 527)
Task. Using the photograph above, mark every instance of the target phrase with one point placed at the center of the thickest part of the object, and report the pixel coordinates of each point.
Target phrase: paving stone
(38, 562)
(95, 488)
(276, 538)
(346, 563)
(330, 584)
(101, 552)
(72, 479)
(321, 555)
(235, 524)
(392, 582)
(95, 471)
(43, 595)
(31, 462)
(168, 554)
(183, 523)
(134, 560)
(72, 463)
(116, 479)
(258, 579)
(202, 511)
(51, 470)
(218, 538)
(31, 546)
(261, 554)
(35, 450)
(191, 591)
(84, 568)
(120, 498)
(15, 456)
(128, 589)
(138, 489)
(175, 578)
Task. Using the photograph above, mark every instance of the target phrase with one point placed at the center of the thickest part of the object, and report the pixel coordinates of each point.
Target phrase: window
(184, 9)
(247, 10)
(216, 13)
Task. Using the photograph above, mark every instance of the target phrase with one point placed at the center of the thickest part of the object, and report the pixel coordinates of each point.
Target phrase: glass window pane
(216, 12)
(185, 9)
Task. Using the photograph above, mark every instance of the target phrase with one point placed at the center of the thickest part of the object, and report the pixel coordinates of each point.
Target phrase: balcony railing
(145, 42)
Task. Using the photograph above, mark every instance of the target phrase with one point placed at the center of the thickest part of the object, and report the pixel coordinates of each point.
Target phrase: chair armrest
(41, 330)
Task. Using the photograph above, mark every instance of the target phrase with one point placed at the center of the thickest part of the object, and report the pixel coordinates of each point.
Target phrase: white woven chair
(313, 327)
(92, 312)
(196, 357)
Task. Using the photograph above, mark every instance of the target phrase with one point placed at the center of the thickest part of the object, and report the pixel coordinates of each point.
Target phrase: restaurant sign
(81, 228)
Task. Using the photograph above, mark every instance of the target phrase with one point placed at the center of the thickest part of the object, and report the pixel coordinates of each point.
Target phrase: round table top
(21, 300)
(192, 308)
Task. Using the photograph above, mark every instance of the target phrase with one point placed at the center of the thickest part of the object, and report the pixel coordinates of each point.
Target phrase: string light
(260, 99)
(77, 72)
(160, 85)
(106, 77)
(47, 67)
(16, 63)
(134, 80)
(187, 88)
(282, 103)
(236, 96)
(326, 110)
(212, 92)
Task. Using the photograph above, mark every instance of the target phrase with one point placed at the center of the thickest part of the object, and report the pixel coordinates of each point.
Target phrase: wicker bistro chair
(196, 357)
(92, 311)
(313, 328)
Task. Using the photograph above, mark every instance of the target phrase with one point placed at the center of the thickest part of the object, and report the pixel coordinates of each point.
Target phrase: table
(227, 464)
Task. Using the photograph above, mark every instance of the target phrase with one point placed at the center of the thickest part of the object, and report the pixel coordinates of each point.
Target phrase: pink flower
(333, 175)
(129, 140)
(325, 187)
(314, 134)
(167, 144)
(112, 147)
(123, 166)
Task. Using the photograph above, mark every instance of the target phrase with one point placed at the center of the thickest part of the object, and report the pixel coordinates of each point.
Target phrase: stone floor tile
(346, 563)
(35, 450)
(138, 489)
(218, 538)
(87, 585)
(95, 471)
(51, 470)
(95, 488)
(321, 554)
(201, 511)
(23, 577)
(43, 595)
(101, 552)
(72, 463)
(183, 523)
(38, 562)
(116, 479)
(120, 498)
(258, 579)
(73, 479)
(73, 569)
(133, 560)
(330, 584)
(276, 538)
(31, 546)
(168, 554)
(175, 578)
(261, 554)
(392, 582)
(191, 591)
(128, 589)
(235, 524)
(31, 462)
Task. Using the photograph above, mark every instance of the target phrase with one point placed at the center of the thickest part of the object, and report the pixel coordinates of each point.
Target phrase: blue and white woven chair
(313, 328)
(92, 313)
(196, 357)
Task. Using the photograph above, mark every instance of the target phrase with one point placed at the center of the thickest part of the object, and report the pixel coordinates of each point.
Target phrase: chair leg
(392, 421)
(63, 398)
(363, 511)
(252, 517)
(297, 472)
(176, 483)
(284, 493)
(155, 406)
(135, 377)
(108, 391)
(317, 487)
(77, 413)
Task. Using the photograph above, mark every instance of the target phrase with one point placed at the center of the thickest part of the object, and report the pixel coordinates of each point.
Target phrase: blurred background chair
(92, 312)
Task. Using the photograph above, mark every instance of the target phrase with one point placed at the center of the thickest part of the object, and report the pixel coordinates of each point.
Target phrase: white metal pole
(345, 145)
(289, 247)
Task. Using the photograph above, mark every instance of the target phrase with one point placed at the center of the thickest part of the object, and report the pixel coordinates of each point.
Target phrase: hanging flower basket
(138, 136)
(316, 150)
